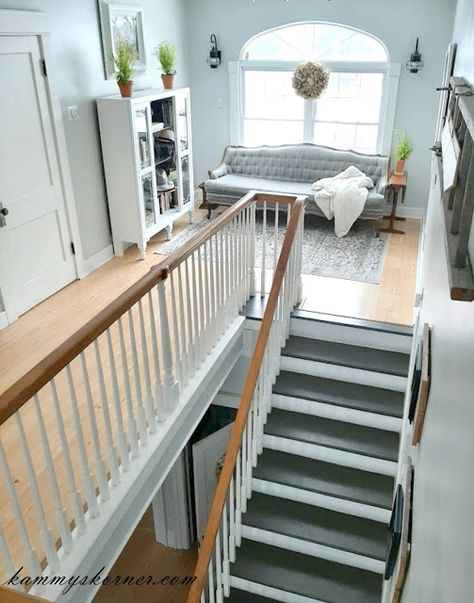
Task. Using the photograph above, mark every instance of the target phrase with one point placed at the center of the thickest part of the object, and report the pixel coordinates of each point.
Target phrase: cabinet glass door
(148, 195)
(183, 121)
(143, 136)
(185, 179)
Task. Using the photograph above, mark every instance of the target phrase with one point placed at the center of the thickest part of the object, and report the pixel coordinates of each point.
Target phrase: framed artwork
(424, 386)
(121, 22)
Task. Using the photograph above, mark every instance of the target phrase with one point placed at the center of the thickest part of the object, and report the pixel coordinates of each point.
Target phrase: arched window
(350, 113)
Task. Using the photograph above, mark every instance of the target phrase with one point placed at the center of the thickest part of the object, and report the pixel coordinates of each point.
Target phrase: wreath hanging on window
(310, 80)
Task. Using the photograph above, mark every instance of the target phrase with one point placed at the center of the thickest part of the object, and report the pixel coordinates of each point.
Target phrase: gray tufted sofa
(292, 169)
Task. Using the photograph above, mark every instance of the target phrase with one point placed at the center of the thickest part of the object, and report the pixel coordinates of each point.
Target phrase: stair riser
(330, 455)
(343, 373)
(338, 413)
(274, 594)
(321, 500)
(313, 549)
(379, 340)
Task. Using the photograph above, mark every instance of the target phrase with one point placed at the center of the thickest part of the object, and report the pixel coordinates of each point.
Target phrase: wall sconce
(415, 63)
(214, 59)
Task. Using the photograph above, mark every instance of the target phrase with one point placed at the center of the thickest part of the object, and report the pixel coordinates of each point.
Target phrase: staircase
(315, 529)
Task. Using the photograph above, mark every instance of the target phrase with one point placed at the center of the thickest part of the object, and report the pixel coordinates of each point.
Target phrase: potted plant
(166, 55)
(125, 59)
(403, 150)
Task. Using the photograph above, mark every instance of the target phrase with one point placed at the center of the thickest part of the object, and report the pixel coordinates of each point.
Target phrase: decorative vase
(168, 81)
(400, 167)
(125, 89)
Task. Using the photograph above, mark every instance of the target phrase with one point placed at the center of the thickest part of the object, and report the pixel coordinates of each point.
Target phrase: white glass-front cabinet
(147, 151)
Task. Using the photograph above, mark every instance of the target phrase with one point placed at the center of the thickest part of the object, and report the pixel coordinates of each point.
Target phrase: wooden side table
(396, 185)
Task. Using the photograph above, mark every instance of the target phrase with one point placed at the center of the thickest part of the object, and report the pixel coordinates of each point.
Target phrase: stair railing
(78, 426)
(224, 527)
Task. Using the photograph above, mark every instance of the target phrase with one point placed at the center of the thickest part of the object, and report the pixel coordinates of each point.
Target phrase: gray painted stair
(240, 596)
(340, 354)
(305, 522)
(304, 575)
(333, 434)
(325, 478)
(350, 395)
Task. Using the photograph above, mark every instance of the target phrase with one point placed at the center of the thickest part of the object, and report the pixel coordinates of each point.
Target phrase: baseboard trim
(98, 259)
(3, 319)
(416, 213)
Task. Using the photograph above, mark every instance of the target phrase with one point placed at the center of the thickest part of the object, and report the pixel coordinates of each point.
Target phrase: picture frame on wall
(121, 21)
(424, 386)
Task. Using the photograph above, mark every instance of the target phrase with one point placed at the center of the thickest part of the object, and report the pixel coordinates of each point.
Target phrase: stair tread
(317, 525)
(305, 575)
(340, 393)
(369, 359)
(240, 596)
(358, 439)
(325, 478)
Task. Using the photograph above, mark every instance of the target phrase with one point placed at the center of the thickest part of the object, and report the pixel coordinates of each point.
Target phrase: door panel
(35, 255)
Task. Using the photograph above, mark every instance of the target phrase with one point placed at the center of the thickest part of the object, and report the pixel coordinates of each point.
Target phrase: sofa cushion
(300, 163)
(230, 188)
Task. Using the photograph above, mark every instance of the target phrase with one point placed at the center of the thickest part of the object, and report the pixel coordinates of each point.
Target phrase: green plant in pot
(403, 150)
(166, 55)
(125, 59)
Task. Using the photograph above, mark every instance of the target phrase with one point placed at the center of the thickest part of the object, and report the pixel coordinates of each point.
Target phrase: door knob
(3, 212)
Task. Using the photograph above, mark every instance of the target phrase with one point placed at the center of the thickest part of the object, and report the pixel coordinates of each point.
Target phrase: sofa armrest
(382, 185)
(219, 171)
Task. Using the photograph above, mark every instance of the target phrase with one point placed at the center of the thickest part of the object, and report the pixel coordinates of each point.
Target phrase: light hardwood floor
(38, 332)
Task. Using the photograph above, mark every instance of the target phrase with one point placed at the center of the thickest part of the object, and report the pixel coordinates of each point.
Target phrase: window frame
(386, 120)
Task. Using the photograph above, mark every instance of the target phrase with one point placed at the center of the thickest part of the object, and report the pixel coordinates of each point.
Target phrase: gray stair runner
(351, 395)
(321, 526)
(341, 354)
(305, 575)
(333, 434)
(240, 596)
(325, 478)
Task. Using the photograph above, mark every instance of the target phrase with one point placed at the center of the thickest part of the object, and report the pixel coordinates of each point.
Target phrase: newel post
(170, 385)
(253, 282)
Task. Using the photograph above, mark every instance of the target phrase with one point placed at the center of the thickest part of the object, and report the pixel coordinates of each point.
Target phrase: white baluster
(44, 530)
(228, 268)
(211, 584)
(158, 386)
(29, 553)
(178, 354)
(191, 321)
(60, 511)
(149, 404)
(220, 282)
(132, 425)
(213, 295)
(253, 280)
(123, 447)
(197, 313)
(238, 500)
(170, 385)
(74, 496)
(99, 461)
(264, 251)
(249, 449)
(6, 558)
(275, 246)
(203, 597)
(86, 474)
(300, 257)
(138, 384)
(204, 301)
(232, 519)
(243, 497)
(185, 364)
(225, 550)
(219, 594)
(111, 452)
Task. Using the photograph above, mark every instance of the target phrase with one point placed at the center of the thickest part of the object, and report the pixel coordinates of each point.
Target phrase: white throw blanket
(343, 198)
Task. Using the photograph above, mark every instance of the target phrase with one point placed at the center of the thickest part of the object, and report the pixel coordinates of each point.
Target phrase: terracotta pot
(400, 167)
(125, 89)
(168, 81)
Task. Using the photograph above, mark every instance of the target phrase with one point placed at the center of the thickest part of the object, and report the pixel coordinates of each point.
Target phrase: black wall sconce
(214, 59)
(415, 64)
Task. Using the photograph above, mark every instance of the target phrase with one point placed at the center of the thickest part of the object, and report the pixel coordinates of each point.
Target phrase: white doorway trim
(19, 22)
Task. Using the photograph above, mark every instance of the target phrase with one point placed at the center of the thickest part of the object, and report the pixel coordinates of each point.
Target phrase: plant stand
(396, 185)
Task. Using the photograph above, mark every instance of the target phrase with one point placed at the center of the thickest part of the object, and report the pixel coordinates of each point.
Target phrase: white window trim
(392, 73)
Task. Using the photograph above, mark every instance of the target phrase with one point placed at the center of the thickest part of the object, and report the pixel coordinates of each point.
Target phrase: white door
(206, 455)
(35, 245)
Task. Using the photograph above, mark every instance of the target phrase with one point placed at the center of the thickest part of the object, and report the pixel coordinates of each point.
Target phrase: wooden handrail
(8, 595)
(215, 514)
(30, 384)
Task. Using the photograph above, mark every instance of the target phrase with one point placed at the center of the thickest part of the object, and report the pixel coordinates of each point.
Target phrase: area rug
(359, 256)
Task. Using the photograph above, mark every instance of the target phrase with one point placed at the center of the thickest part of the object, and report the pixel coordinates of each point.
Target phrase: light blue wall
(396, 24)
(77, 68)
(464, 36)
